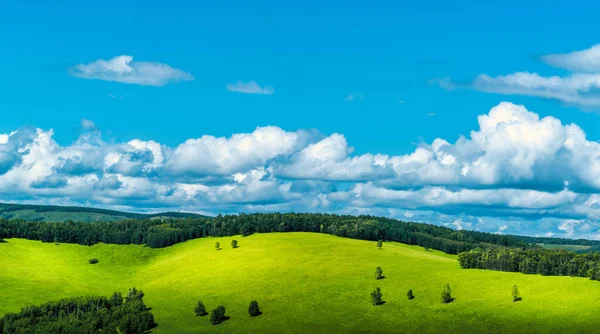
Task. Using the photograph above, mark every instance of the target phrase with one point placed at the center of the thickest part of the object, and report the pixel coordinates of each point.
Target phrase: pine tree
(515, 293)
(378, 273)
(379, 244)
(376, 297)
(200, 310)
(410, 294)
(253, 309)
(447, 294)
(217, 245)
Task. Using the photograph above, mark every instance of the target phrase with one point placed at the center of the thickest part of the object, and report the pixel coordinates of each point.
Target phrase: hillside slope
(304, 282)
(52, 213)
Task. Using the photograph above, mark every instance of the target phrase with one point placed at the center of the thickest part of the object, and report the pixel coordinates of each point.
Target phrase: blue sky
(364, 84)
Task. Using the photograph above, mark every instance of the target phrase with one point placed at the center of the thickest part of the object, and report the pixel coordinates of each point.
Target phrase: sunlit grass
(303, 282)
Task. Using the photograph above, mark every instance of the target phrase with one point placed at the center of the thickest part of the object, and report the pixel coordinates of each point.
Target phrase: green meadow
(303, 282)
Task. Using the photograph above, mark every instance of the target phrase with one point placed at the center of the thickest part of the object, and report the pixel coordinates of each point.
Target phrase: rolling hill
(52, 213)
(304, 282)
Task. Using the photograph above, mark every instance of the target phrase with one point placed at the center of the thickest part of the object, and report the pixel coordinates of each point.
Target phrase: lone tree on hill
(446, 294)
(376, 296)
(217, 245)
(379, 244)
(234, 244)
(217, 315)
(378, 273)
(410, 294)
(515, 294)
(200, 310)
(253, 309)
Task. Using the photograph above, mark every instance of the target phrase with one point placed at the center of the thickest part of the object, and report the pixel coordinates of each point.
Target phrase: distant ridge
(56, 213)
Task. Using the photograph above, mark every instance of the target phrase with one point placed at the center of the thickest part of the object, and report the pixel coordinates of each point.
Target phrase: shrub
(376, 296)
(217, 245)
(446, 295)
(515, 294)
(253, 309)
(378, 273)
(200, 310)
(93, 261)
(379, 244)
(217, 315)
(234, 244)
(410, 294)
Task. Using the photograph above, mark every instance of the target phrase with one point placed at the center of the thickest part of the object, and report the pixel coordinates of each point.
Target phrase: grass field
(303, 282)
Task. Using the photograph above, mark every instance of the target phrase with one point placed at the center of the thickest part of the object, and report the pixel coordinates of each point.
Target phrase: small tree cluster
(133, 294)
(200, 310)
(234, 244)
(93, 261)
(376, 297)
(253, 309)
(447, 295)
(410, 295)
(217, 315)
(217, 245)
(378, 273)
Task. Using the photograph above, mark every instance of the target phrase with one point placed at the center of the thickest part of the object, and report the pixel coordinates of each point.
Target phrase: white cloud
(580, 87)
(250, 87)
(124, 69)
(354, 97)
(87, 124)
(520, 172)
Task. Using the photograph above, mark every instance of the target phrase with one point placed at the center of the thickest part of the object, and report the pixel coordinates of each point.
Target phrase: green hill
(303, 282)
(53, 213)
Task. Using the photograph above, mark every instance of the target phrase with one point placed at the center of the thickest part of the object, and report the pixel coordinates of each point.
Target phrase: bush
(217, 245)
(93, 261)
(234, 244)
(376, 296)
(200, 310)
(410, 294)
(515, 294)
(253, 309)
(379, 244)
(217, 315)
(378, 273)
(446, 295)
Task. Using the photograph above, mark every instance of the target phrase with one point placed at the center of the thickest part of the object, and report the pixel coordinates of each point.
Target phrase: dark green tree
(234, 243)
(515, 293)
(378, 273)
(253, 309)
(217, 245)
(200, 310)
(217, 315)
(376, 297)
(410, 294)
(133, 294)
(447, 294)
(379, 244)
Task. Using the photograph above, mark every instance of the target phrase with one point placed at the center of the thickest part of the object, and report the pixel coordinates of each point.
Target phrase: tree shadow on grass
(380, 277)
(259, 313)
(518, 299)
(381, 303)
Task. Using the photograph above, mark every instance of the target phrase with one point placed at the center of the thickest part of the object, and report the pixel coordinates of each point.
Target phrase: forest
(533, 261)
(113, 314)
(158, 233)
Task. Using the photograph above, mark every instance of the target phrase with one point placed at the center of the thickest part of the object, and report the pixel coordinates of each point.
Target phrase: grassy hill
(52, 213)
(304, 282)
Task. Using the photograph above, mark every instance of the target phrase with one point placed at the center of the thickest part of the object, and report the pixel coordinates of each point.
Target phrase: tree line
(113, 314)
(158, 233)
(534, 260)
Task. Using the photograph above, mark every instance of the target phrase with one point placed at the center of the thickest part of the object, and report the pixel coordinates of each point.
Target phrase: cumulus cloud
(250, 87)
(354, 97)
(124, 69)
(579, 87)
(515, 173)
